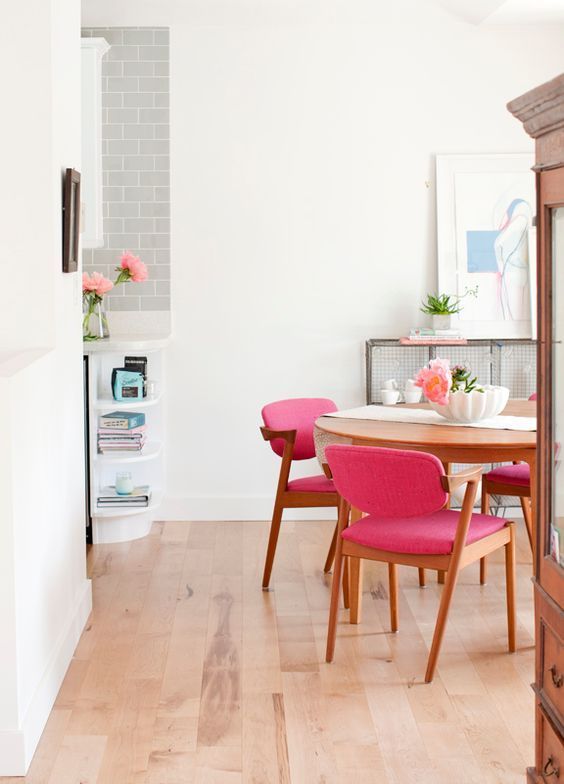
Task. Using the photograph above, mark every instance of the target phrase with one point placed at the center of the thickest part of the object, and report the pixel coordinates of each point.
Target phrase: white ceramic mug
(413, 394)
(410, 384)
(390, 396)
(391, 383)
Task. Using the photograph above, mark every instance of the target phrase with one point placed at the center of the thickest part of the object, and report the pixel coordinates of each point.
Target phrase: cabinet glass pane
(557, 534)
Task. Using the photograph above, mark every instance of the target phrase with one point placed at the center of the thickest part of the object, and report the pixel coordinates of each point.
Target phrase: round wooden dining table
(450, 443)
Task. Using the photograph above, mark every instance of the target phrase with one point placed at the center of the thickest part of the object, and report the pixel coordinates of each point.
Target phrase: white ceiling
(143, 12)
(507, 11)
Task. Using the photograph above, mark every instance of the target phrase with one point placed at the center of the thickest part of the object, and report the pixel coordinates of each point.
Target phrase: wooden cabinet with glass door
(542, 112)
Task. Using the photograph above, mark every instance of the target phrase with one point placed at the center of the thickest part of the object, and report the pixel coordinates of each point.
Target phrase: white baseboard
(17, 747)
(233, 508)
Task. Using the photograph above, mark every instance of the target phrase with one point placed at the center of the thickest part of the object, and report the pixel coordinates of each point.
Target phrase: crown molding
(541, 110)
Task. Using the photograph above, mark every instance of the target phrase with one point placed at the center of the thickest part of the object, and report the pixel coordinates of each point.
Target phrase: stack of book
(422, 335)
(109, 499)
(121, 431)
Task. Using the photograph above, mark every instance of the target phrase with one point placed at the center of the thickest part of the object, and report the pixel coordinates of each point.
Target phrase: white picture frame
(485, 212)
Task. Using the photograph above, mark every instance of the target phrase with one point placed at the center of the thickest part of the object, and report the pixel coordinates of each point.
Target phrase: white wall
(303, 137)
(46, 597)
(303, 213)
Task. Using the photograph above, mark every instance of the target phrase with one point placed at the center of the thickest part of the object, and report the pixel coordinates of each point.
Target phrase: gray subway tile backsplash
(156, 116)
(138, 37)
(159, 209)
(126, 53)
(140, 194)
(150, 53)
(122, 85)
(154, 303)
(136, 166)
(124, 209)
(154, 178)
(139, 69)
(123, 178)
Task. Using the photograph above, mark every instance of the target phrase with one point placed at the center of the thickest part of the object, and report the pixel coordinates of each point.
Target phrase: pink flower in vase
(96, 284)
(134, 267)
(436, 381)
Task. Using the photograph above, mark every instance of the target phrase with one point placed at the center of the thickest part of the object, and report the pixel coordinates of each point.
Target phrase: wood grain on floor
(188, 673)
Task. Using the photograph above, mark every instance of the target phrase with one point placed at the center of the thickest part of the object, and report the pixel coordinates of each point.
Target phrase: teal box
(127, 384)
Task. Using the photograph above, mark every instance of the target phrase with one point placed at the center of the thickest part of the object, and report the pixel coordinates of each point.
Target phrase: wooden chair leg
(334, 607)
(422, 578)
(485, 509)
(331, 554)
(393, 584)
(510, 587)
(448, 590)
(355, 582)
(441, 578)
(272, 542)
(483, 570)
(528, 517)
(346, 582)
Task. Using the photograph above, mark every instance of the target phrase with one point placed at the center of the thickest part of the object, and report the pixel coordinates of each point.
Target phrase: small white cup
(391, 383)
(413, 394)
(390, 396)
(410, 384)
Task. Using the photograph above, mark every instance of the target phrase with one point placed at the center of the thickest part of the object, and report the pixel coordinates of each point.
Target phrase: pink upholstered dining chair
(404, 494)
(288, 426)
(512, 480)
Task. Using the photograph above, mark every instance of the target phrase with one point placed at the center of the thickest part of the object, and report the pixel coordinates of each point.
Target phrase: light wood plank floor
(188, 673)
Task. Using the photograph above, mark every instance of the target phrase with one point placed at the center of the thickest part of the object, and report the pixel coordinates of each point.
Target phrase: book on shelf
(107, 432)
(116, 439)
(433, 341)
(121, 447)
(121, 420)
(419, 333)
(139, 497)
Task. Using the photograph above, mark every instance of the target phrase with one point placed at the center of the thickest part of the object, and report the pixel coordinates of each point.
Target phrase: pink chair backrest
(387, 482)
(296, 414)
(533, 396)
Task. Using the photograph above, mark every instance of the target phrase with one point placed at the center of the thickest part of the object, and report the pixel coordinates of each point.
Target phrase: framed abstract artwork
(485, 239)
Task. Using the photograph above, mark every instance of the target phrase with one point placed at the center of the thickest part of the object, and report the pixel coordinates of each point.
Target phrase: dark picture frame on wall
(71, 220)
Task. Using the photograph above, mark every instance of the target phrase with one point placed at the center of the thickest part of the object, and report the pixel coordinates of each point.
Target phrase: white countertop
(140, 342)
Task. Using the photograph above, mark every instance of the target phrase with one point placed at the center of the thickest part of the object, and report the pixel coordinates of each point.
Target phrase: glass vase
(94, 319)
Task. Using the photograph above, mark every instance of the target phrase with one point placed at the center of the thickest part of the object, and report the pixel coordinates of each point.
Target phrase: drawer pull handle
(557, 679)
(550, 770)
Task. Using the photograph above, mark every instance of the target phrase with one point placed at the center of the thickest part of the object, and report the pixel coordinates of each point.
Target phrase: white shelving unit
(147, 467)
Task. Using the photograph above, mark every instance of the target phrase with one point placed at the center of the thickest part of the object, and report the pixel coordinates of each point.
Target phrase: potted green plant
(442, 306)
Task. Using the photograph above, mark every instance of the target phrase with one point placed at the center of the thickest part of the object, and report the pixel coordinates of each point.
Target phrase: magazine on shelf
(140, 496)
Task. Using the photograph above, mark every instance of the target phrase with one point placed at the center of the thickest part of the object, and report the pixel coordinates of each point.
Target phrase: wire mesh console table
(509, 363)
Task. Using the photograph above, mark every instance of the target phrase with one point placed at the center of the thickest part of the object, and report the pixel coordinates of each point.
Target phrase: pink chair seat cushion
(519, 474)
(431, 534)
(312, 484)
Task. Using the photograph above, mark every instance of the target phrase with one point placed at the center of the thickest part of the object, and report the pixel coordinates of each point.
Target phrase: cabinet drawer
(551, 763)
(552, 670)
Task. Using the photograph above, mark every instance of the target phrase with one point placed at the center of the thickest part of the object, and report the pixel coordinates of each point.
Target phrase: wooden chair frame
(461, 556)
(289, 499)
(523, 493)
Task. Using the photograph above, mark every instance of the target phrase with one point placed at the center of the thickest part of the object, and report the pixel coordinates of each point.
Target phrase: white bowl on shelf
(473, 406)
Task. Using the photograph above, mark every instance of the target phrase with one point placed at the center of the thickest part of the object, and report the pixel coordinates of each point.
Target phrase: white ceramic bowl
(473, 406)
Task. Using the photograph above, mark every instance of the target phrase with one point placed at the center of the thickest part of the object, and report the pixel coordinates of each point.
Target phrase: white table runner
(423, 416)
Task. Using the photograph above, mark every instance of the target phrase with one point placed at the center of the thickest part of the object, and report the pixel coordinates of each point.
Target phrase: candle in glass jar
(124, 483)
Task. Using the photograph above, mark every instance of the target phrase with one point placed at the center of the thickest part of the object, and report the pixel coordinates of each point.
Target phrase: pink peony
(96, 284)
(436, 381)
(137, 271)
